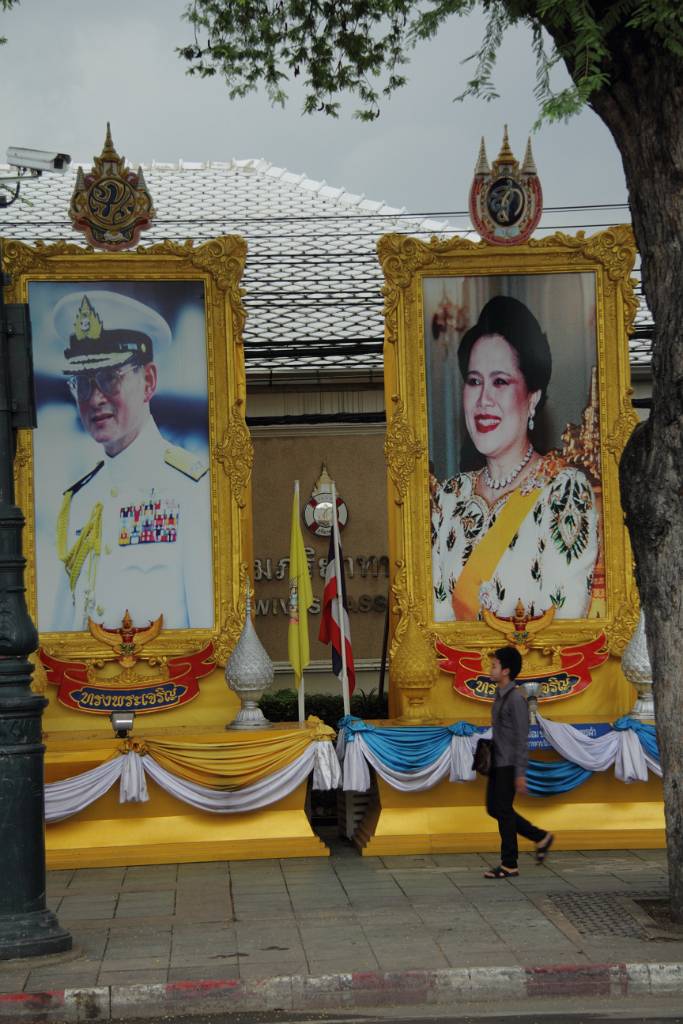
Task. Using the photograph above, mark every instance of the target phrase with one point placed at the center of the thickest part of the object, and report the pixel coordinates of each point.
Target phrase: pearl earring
(531, 422)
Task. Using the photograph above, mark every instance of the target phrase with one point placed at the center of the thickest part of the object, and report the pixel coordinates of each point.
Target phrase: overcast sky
(71, 65)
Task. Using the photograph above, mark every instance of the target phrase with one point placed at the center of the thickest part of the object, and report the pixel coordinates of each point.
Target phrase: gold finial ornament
(529, 164)
(88, 323)
(414, 670)
(482, 166)
(506, 156)
(108, 154)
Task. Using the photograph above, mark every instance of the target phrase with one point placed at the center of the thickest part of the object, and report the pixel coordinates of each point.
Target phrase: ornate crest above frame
(506, 202)
(318, 508)
(578, 292)
(102, 538)
(110, 204)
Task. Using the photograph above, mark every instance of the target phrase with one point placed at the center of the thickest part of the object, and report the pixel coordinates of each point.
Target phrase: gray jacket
(510, 723)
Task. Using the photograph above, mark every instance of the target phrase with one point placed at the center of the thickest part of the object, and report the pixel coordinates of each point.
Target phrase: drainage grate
(605, 913)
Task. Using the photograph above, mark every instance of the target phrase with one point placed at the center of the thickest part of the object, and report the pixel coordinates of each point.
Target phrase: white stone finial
(249, 673)
(635, 664)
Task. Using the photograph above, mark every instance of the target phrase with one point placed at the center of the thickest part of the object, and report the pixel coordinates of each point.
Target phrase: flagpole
(302, 701)
(340, 604)
(302, 611)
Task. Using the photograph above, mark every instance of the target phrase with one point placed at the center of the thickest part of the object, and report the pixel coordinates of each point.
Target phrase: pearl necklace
(496, 485)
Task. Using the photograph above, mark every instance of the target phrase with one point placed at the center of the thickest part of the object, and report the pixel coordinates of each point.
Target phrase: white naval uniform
(150, 570)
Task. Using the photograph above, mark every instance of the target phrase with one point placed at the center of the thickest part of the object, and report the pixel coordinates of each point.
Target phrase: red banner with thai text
(176, 683)
(572, 676)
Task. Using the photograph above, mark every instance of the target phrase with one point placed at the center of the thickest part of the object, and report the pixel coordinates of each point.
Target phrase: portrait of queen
(521, 521)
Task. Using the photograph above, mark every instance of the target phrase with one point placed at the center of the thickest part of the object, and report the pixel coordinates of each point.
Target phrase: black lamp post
(27, 927)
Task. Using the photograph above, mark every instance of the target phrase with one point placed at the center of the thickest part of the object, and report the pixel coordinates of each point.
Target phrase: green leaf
(359, 48)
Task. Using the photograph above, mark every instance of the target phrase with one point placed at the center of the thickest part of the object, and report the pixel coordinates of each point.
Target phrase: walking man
(510, 725)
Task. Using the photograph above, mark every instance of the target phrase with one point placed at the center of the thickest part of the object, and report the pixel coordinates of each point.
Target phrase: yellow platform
(601, 814)
(165, 830)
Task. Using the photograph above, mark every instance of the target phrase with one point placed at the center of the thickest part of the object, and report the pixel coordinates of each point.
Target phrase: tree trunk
(642, 108)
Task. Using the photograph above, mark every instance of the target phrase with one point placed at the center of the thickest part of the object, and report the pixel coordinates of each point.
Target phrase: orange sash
(481, 564)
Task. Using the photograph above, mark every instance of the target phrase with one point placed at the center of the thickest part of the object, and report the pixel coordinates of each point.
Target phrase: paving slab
(350, 932)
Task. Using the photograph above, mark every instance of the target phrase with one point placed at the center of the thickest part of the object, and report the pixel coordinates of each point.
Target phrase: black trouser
(500, 793)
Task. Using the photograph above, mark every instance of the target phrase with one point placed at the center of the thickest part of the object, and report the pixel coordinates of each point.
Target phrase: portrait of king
(133, 532)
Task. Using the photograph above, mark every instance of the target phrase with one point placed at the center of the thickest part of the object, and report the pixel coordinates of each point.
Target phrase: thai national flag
(330, 632)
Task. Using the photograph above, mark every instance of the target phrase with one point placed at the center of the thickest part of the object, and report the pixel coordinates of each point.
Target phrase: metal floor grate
(605, 913)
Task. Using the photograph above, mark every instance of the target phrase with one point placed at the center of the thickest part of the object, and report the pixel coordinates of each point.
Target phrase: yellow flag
(300, 596)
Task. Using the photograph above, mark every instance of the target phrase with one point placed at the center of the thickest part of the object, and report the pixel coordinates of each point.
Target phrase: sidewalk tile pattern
(263, 919)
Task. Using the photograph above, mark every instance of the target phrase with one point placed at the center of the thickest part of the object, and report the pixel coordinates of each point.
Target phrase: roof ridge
(335, 196)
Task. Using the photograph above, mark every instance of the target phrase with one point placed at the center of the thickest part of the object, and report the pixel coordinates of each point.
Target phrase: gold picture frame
(218, 267)
(605, 259)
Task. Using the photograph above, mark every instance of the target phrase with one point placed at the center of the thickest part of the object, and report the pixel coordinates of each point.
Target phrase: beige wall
(355, 461)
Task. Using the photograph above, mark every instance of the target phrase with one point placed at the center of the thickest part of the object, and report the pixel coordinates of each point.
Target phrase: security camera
(37, 160)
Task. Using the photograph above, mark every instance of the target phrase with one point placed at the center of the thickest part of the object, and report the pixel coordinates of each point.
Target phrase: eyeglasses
(108, 381)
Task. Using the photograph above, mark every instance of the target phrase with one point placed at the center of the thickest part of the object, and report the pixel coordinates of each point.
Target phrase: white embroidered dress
(548, 561)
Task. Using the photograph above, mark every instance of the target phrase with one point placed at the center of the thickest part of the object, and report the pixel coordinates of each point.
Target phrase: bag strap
(508, 692)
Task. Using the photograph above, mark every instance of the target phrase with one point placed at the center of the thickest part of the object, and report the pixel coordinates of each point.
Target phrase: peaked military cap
(106, 329)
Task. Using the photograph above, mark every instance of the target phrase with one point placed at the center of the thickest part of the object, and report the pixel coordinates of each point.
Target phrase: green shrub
(283, 706)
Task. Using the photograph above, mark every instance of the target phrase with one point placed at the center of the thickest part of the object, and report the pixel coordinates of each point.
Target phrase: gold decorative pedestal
(165, 830)
(601, 814)
(414, 671)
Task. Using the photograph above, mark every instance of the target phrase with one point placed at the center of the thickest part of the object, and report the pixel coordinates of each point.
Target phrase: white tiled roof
(312, 279)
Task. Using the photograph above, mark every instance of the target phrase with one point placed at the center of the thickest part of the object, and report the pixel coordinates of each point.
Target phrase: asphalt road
(565, 1011)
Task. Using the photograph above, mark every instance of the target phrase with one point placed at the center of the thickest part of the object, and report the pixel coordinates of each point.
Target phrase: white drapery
(66, 798)
(620, 748)
(455, 763)
(62, 799)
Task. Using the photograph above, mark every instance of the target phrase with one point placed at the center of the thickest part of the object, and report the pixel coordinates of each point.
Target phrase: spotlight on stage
(122, 723)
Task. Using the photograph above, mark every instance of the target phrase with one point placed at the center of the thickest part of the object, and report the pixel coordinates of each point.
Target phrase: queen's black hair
(512, 320)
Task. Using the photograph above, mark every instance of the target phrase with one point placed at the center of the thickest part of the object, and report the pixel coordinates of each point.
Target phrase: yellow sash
(482, 562)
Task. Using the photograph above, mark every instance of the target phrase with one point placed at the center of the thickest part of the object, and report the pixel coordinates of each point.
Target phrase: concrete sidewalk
(417, 925)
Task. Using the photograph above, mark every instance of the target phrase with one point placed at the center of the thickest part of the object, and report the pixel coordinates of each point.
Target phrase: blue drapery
(547, 778)
(414, 748)
(406, 749)
(647, 734)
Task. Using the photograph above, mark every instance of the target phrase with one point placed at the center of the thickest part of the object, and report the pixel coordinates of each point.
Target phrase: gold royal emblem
(111, 204)
(506, 203)
(126, 644)
(88, 323)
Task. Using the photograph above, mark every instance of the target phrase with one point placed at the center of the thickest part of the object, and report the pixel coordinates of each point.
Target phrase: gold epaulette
(185, 462)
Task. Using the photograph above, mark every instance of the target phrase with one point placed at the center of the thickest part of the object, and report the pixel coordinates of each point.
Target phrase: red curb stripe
(33, 1000)
(359, 988)
(573, 979)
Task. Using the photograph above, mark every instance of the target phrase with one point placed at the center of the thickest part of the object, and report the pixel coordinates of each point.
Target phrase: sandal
(501, 872)
(543, 849)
